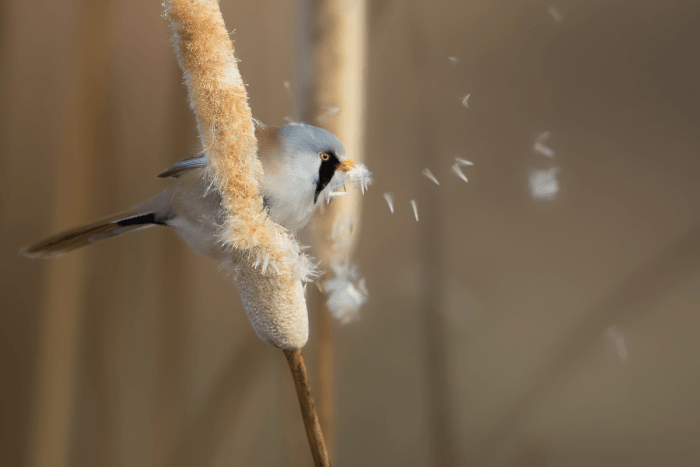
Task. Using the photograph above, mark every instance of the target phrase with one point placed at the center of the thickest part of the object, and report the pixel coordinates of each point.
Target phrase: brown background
(168, 370)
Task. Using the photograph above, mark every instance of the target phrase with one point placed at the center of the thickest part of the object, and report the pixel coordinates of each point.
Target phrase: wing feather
(188, 163)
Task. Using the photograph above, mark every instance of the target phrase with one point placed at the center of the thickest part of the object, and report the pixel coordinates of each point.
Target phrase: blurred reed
(443, 450)
(63, 301)
(336, 102)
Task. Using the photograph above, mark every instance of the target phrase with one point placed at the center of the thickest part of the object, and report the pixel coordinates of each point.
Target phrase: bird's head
(302, 165)
(315, 159)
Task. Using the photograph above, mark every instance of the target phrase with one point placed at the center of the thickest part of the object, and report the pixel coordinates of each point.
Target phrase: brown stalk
(308, 408)
(325, 371)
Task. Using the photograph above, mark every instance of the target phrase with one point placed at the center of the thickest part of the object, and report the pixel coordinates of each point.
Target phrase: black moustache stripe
(325, 174)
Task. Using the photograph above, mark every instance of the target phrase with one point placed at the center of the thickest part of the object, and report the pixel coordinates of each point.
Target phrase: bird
(302, 166)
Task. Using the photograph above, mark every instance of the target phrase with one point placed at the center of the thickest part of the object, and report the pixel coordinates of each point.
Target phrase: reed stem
(308, 408)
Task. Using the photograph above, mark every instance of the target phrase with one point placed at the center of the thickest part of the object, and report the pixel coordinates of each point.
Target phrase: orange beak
(346, 166)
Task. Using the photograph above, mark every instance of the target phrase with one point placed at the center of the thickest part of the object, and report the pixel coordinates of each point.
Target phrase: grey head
(315, 148)
(308, 163)
(299, 138)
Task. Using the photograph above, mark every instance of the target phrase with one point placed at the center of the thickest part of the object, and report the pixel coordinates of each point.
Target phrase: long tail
(85, 235)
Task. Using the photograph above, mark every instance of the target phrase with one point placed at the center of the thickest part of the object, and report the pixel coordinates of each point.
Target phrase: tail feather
(85, 235)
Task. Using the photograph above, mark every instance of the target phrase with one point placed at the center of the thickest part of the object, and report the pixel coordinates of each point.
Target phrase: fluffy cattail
(275, 305)
(269, 266)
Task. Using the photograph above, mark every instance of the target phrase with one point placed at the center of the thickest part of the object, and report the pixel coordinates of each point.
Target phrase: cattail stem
(308, 408)
(325, 371)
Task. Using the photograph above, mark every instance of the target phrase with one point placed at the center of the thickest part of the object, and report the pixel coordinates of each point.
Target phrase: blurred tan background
(500, 330)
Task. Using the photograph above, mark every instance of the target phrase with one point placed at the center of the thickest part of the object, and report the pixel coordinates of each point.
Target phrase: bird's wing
(188, 163)
(267, 148)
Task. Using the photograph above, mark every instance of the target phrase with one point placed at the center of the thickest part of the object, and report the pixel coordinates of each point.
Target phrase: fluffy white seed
(430, 176)
(461, 161)
(415, 208)
(328, 113)
(457, 170)
(539, 146)
(359, 176)
(555, 14)
(618, 342)
(544, 184)
(347, 292)
(389, 197)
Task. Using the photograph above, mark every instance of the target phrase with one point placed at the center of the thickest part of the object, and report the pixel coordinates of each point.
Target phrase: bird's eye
(325, 156)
